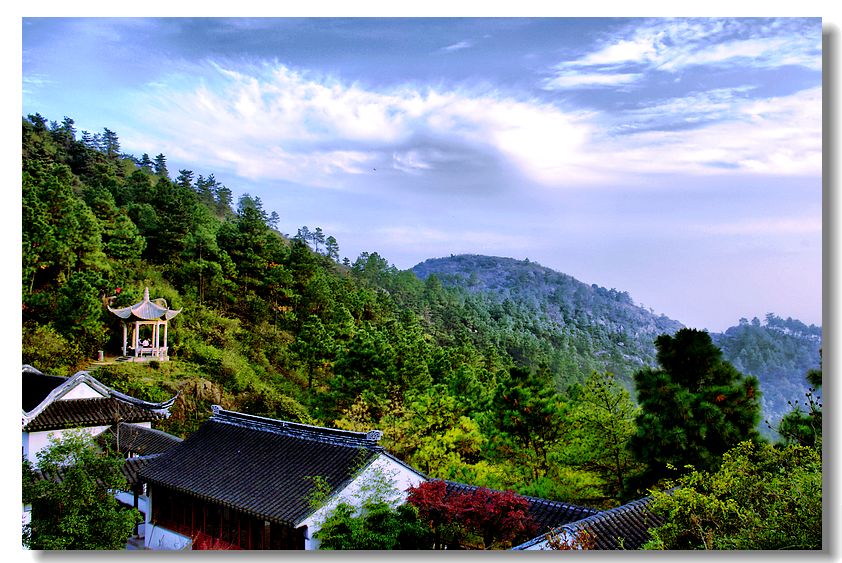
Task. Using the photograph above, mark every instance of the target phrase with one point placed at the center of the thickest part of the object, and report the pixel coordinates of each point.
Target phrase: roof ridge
(310, 432)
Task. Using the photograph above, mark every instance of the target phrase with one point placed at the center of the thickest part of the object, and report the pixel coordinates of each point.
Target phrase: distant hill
(606, 322)
(779, 352)
(619, 335)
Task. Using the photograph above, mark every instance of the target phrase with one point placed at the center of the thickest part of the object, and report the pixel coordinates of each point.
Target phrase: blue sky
(677, 159)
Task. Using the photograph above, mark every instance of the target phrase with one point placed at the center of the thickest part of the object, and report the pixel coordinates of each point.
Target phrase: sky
(677, 159)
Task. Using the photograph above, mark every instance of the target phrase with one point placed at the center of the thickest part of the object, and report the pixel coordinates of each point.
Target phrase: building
(624, 527)
(150, 318)
(51, 405)
(247, 482)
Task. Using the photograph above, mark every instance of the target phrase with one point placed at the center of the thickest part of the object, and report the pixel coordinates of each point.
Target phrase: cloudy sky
(678, 160)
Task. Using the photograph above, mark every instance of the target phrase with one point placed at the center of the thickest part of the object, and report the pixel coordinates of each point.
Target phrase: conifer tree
(694, 408)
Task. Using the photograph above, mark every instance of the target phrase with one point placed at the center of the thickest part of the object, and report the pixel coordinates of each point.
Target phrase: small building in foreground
(51, 405)
(248, 482)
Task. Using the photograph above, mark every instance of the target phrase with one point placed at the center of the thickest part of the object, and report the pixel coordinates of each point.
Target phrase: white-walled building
(246, 482)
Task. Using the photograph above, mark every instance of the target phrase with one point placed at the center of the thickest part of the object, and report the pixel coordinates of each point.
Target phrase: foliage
(377, 520)
(805, 426)
(762, 497)
(480, 519)
(603, 423)
(694, 408)
(72, 505)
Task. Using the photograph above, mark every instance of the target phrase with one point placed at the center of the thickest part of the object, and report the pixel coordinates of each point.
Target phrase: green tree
(762, 497)
(694, 408)
(805, 426)
(73, 506)
(603, 424)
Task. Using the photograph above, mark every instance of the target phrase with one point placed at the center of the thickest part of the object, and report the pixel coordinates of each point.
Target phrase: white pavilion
(148, 317)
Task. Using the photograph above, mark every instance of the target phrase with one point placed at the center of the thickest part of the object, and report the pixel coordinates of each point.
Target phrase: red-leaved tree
(478, 519)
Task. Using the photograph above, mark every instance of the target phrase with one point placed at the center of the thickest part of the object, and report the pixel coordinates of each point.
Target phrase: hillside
(476, 374)
(779, 352)
(620, 334)
(606, 323)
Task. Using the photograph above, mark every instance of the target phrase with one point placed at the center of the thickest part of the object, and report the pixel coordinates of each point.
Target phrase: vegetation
(490, 371)
(479, 519)
(694, 408)
(72, 506)
(762, 497)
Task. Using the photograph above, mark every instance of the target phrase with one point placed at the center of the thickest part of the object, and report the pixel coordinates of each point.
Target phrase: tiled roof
(138, 439)
(261, 466)
(146, 309)
(624, 527)
(36, 386)
(46, 406)
(90, 412)
(547, 514)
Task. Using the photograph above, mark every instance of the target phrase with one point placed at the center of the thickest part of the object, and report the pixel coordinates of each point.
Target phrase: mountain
(610, 332)
(603, 323)
(779, 352)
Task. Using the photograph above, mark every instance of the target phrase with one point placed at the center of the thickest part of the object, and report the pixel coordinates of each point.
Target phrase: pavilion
(154, 314)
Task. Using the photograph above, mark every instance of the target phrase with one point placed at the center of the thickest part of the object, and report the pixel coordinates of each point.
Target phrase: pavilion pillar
(125, 337)
(166, 327)
(136, 338)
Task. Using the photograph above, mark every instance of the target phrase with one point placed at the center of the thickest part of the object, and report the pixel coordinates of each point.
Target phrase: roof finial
(146, 294)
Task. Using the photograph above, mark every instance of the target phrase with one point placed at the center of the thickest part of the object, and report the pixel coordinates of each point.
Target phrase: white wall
(82, 391)
(158, 538)
(34, 442)
(401, 479)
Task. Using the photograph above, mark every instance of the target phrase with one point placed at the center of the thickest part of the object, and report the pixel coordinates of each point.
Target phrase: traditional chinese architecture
(247, 482)
(625, 527)
(146, 316)
(53, 405)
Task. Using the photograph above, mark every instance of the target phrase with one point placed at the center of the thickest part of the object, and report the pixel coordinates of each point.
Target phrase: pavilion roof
(146, 310)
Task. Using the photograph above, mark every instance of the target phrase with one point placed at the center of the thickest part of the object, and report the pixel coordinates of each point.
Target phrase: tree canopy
(694, 408)
(70, 491)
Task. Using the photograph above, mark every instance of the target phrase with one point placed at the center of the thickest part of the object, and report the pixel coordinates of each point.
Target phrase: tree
(694, 408)
(479, 519)
(805, 426)
(604, 423)
(375, 519)
(762, 497)
(73, 506)
(160, 166)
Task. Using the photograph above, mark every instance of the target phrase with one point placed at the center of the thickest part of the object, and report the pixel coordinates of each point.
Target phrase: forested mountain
(611, 333)
(779, 352)
(494, 372)
(602, 328)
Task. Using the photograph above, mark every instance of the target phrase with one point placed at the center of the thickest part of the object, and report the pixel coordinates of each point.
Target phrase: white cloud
(458, 46)
(780, 135)
(276, 123)
(571, 79)
(672, 45)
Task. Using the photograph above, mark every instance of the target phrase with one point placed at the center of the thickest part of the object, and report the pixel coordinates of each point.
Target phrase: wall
(382, 470)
